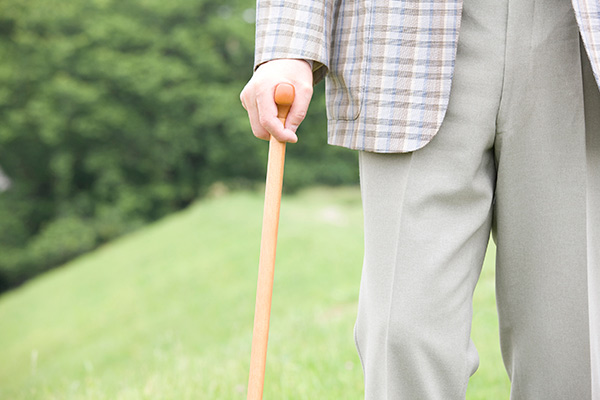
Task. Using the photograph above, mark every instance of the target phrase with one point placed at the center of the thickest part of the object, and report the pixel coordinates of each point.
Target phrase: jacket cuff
(319, 70)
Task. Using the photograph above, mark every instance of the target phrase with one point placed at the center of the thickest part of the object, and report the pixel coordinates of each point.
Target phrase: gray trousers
(518, 154)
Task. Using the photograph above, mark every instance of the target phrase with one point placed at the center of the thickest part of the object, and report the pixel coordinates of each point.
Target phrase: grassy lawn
(167, 312)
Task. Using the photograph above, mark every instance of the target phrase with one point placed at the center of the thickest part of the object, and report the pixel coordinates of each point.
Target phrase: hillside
(166, 312)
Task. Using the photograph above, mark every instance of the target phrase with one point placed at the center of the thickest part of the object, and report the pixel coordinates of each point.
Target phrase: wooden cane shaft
(266, 269)
(268, 246)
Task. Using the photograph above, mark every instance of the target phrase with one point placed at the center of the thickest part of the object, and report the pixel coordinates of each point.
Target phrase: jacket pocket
(350, 47)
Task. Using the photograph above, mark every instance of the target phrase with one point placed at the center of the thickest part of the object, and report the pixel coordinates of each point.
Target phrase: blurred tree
(114, 113)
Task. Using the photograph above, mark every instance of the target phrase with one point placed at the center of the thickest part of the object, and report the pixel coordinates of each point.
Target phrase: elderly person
(471, 117)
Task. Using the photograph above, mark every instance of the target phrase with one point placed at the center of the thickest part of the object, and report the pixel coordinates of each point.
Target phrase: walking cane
(284, 97)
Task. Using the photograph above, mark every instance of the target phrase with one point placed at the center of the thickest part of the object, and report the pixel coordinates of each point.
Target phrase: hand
(258, 98)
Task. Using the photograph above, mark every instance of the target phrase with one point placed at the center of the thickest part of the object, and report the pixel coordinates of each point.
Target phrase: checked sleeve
(294, 29)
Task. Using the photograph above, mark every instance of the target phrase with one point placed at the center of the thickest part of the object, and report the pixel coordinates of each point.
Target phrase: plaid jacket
(388, 64)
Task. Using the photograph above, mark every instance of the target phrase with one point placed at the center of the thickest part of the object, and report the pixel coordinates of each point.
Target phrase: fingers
(253, 115)
(267, 113)
(262, 113)
(258, 98)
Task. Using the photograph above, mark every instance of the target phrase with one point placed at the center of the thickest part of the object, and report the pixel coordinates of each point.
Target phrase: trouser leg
(421, 266)
(427, 222)
(542, 216)
(427, 216)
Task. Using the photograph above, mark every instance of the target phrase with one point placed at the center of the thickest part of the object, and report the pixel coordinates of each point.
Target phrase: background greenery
(167, 312)
(114, 113)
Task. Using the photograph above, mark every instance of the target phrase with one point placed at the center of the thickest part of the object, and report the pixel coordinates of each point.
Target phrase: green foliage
(115, 113)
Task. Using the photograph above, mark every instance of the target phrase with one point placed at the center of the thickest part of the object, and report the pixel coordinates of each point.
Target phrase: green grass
(167, 312)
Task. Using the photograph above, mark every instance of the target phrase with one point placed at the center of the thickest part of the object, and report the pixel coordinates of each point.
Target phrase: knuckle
(262, 134)
(263, 120)
(300, 115)
(306, 89)
(261, 91)
(258, 132)
(249, 89)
